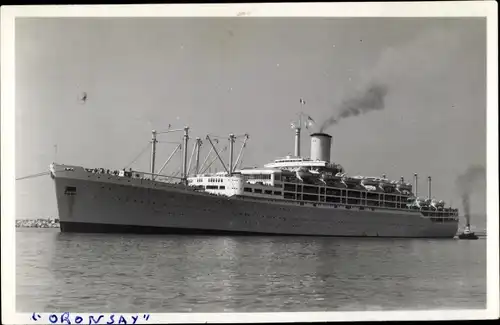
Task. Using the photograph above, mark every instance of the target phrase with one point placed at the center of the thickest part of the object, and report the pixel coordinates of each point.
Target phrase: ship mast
(429, 188)
(416, 184)
(231, 145)
(153, 152)
(298, 128)
(184, 149)
(184, 156)
(198, 147)
(192, 155)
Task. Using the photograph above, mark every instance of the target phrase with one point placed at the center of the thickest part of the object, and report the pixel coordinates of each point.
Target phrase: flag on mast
(309, 122)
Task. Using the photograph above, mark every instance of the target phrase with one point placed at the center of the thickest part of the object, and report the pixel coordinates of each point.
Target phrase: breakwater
(37, 223)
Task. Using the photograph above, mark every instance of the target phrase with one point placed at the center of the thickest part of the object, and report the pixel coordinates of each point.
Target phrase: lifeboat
(437, 204)
(370, 187)
(331, 180)
(421, 203)
(351, 181)
(404, 187)
(370, 181)
(412, 202)
(386, 185)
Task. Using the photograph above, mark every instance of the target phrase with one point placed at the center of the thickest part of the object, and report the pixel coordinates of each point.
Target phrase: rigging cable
(241, 160)
(33, 176)
(137, 157)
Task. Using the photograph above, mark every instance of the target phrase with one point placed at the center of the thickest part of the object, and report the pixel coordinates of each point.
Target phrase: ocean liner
(292, 195)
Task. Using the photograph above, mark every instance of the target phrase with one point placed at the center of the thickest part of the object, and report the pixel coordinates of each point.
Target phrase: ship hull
(470, 236)
(107, 203)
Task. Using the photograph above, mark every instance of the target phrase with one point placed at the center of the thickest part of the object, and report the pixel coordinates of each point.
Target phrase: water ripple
(90, 272)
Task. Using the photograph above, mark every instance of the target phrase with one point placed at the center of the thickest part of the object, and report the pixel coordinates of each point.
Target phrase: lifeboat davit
(386, 184)
(351, 181)
(420, 202)
(439, 205)
(304, 175)
(331, 180)
(401, 186)
(370, 181)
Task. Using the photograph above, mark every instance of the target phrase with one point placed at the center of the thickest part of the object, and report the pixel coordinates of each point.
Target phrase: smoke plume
(465, 203)
(404, 68)
(369, 99)
(466, 184)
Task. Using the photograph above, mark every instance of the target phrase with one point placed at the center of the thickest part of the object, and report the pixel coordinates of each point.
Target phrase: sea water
(59, 272)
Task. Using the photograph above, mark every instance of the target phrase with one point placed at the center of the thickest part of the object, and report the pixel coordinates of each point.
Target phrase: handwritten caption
(67, 318)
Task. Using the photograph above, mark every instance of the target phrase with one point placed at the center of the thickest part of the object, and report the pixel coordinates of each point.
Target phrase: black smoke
(466, 205)
(371, 98)
(466, 183)
(431, 51)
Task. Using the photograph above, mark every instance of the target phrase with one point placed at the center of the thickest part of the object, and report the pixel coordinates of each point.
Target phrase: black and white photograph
(215, 163)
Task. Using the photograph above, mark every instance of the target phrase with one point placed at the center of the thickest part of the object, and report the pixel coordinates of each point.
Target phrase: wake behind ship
(290, 196)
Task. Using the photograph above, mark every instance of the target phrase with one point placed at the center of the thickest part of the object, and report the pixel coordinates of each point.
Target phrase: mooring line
(33, 176)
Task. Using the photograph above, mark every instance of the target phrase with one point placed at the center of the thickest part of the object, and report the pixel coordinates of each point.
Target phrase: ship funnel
(415, 177)
(320, 146)
(297, 142)
(429, 187)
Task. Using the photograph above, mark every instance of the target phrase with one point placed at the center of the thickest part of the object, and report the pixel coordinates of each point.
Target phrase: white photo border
(487, 9)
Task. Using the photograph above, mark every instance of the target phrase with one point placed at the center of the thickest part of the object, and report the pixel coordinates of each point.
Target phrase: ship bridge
(296, 163)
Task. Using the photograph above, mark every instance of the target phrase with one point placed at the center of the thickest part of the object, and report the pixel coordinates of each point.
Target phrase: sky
(247, 75)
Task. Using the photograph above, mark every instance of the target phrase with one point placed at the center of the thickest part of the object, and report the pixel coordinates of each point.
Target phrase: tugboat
(467, 234)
